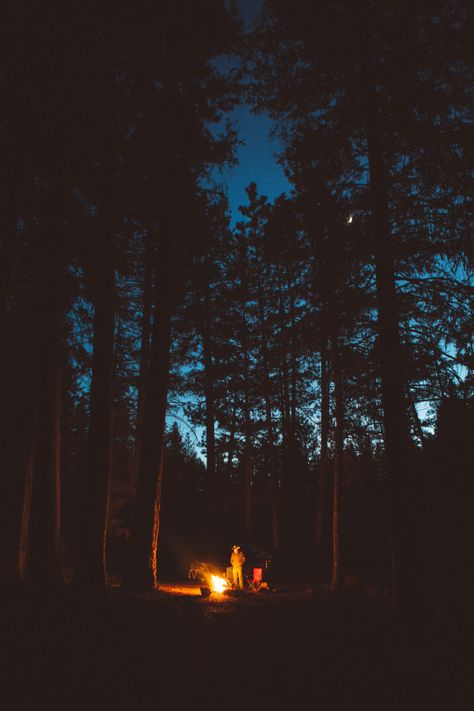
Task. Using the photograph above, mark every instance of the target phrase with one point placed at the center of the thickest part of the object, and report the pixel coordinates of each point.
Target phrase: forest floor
(297, 648)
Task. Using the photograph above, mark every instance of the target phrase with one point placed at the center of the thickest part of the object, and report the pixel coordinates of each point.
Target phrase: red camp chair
(255, 580)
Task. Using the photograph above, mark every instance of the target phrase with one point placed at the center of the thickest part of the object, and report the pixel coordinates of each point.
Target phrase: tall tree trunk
(289, 472)
(10, 150)
(272, 458)
(209, 390)
(326, 283)
(391, 357)
(338, 464)
(144, 350)
(22, 557)
(91, 563)
(42, 566)
(284, 374)
(323, 459)
(293, 353)
(247, 398)
(141, 574)
(231, 444)
(8, 241)
(247, 453)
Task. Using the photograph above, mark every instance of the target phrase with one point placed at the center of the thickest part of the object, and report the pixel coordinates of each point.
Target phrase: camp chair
(255, 580)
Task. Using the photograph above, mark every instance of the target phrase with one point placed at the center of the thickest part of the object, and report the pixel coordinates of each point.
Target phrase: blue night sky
(257, 161)
(256, 155)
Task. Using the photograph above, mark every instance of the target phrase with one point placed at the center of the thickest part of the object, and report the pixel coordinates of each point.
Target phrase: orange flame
(218, 584)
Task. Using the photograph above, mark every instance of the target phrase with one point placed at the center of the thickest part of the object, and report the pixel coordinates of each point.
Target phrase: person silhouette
(237, 559)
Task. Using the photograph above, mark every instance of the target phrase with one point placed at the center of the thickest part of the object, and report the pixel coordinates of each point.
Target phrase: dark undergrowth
(306, 650)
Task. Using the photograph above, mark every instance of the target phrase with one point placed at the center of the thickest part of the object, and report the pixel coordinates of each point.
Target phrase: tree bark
(272, 459)
(231, 444)
(209, 390)
(247, 398)
(144, 350)
(323, 458)
(288, 468)
(338, 464)
(391, 357)
(141, 574)
(42, 542)
(91, 564)
(247, 453)
(8, 220)
(22, 557)
(10, 147)
(293, 352)
(284, 371)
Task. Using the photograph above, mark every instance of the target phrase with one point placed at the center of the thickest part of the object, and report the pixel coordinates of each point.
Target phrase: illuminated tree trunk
(338, 465)
(391, 356)
(91, 563)
(22, 557)
(141, 574)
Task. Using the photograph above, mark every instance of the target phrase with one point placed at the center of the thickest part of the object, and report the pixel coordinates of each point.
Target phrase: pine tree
(342, 73)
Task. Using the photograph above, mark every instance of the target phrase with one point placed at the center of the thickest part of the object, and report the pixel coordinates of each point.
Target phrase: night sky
(257, 160)
(257, 154)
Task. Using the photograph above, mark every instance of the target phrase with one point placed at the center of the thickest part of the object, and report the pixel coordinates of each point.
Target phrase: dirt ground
(292, 649)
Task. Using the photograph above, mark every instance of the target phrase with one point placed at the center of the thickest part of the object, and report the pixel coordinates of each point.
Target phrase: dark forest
(298, 381)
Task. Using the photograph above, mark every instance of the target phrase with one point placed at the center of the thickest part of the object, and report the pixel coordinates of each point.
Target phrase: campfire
(218, 584)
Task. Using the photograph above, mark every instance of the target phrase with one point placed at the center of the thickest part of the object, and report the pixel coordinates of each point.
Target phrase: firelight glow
(218, 584)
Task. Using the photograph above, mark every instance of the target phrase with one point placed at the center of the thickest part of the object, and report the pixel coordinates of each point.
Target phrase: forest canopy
(301, 379)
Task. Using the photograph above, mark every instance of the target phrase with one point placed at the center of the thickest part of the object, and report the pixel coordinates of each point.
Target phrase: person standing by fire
(237, 559)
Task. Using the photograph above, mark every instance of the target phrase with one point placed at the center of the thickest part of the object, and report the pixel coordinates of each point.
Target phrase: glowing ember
(218, 584)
